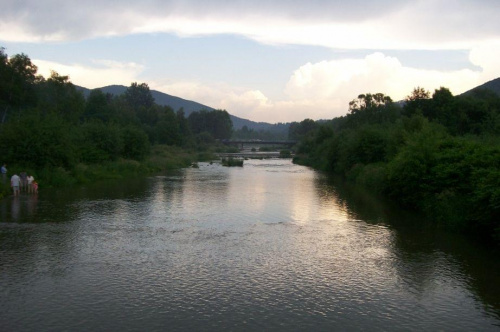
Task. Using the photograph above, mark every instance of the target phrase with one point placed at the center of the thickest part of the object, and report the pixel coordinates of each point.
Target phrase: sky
(272, 60)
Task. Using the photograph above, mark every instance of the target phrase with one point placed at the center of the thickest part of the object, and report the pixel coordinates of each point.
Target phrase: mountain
(161, 98)
(493, 85)
(189, 106)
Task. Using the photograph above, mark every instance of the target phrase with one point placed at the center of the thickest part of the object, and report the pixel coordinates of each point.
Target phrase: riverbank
(452, 181)
(161, 158)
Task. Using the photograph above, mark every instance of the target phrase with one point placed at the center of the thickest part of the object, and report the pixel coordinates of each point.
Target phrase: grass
(161, 158)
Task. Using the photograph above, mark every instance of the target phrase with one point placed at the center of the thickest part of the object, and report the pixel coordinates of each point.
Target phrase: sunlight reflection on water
(267, 246)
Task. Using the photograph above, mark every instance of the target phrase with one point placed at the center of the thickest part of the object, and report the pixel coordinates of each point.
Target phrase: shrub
(36, 141)
(285, 154)
(232, 162)
(135, 143)
(99, 142)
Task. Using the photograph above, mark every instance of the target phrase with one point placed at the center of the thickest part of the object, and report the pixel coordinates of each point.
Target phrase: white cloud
(337, 82)
(323, 90)
(104, 72)
(486, 56)
(319, 90)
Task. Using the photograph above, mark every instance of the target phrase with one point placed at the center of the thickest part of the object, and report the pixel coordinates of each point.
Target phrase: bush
(135, 143)
(229, 162)
(36, 141)
(99, 142)
(285, 154)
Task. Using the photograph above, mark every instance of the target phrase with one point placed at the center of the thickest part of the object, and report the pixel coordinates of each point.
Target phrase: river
(267, 246)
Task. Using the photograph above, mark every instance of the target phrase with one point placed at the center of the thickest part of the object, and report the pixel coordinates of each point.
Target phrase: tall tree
(98, 106)
(417, 101)
(58, 95)
(139, 95)
(299, 130)
(369, 102)
(17, 83)
(217, 123)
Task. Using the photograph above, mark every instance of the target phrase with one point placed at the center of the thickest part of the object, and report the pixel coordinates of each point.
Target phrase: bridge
(242, 143)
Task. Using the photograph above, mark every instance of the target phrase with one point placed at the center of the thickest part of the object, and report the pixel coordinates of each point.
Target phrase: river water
(269, 246)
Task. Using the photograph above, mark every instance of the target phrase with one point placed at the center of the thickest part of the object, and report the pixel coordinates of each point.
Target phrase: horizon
(282, 122)
(271, 62)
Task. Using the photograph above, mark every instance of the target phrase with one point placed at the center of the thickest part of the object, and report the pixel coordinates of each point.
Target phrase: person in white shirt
(14, 183)
(30, 180)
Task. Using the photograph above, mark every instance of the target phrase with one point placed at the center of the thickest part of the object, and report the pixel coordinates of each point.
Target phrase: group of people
(21, 182)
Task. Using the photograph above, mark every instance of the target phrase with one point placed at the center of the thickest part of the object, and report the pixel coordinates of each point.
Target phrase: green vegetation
(439, 154)
(49, 130)
(230, 162)
(275, 132)
(285, 154)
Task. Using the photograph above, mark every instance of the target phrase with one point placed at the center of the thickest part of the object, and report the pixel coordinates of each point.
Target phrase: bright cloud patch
(103, 73)
(337, 82)
(319, 90)
(486, 56)
(323, 90)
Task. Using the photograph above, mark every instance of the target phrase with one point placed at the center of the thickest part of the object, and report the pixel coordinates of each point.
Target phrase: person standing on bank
(30, 180)
(35, 187)
(3, 170)
(24, 181)
(14, 183)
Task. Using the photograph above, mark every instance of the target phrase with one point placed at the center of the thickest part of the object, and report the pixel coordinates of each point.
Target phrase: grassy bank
(161, 158)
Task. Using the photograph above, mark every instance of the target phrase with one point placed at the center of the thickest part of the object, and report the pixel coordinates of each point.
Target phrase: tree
(298, 131)
(418, 93)
(369, 102)
(17, 84)
(417, 101)
(139, 95)
(98, 106)
(185, 132)
(59, 96)
(217, 123)
(167, 129)
(99, 142)
(135, 143)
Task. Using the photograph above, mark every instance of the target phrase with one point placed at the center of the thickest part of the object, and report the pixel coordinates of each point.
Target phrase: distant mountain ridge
(493, 85)
(177, 103)
(190, 106)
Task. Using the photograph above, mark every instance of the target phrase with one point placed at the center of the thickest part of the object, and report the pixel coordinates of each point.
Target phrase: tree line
(437, 154)
(48, 123)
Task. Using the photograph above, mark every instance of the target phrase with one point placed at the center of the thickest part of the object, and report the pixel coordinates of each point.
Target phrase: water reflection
(18, 208)
(271, 246)
(426, 258)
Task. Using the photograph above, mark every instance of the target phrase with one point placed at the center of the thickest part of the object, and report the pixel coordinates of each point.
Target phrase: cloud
(238, 101)
(380, 24)
(337, 82)
(323, 90)
(102, 73)
(486, 56)
(320, 90)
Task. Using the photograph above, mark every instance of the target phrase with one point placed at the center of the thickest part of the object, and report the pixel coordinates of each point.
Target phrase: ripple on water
(222, 249)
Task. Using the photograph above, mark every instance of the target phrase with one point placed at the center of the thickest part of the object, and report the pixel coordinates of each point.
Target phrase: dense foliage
(436, 154)
(47, 124)
(275, 132)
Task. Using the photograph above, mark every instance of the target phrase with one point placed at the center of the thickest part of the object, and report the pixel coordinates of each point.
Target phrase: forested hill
(493, 85)
(161, 98)
(189, 106)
